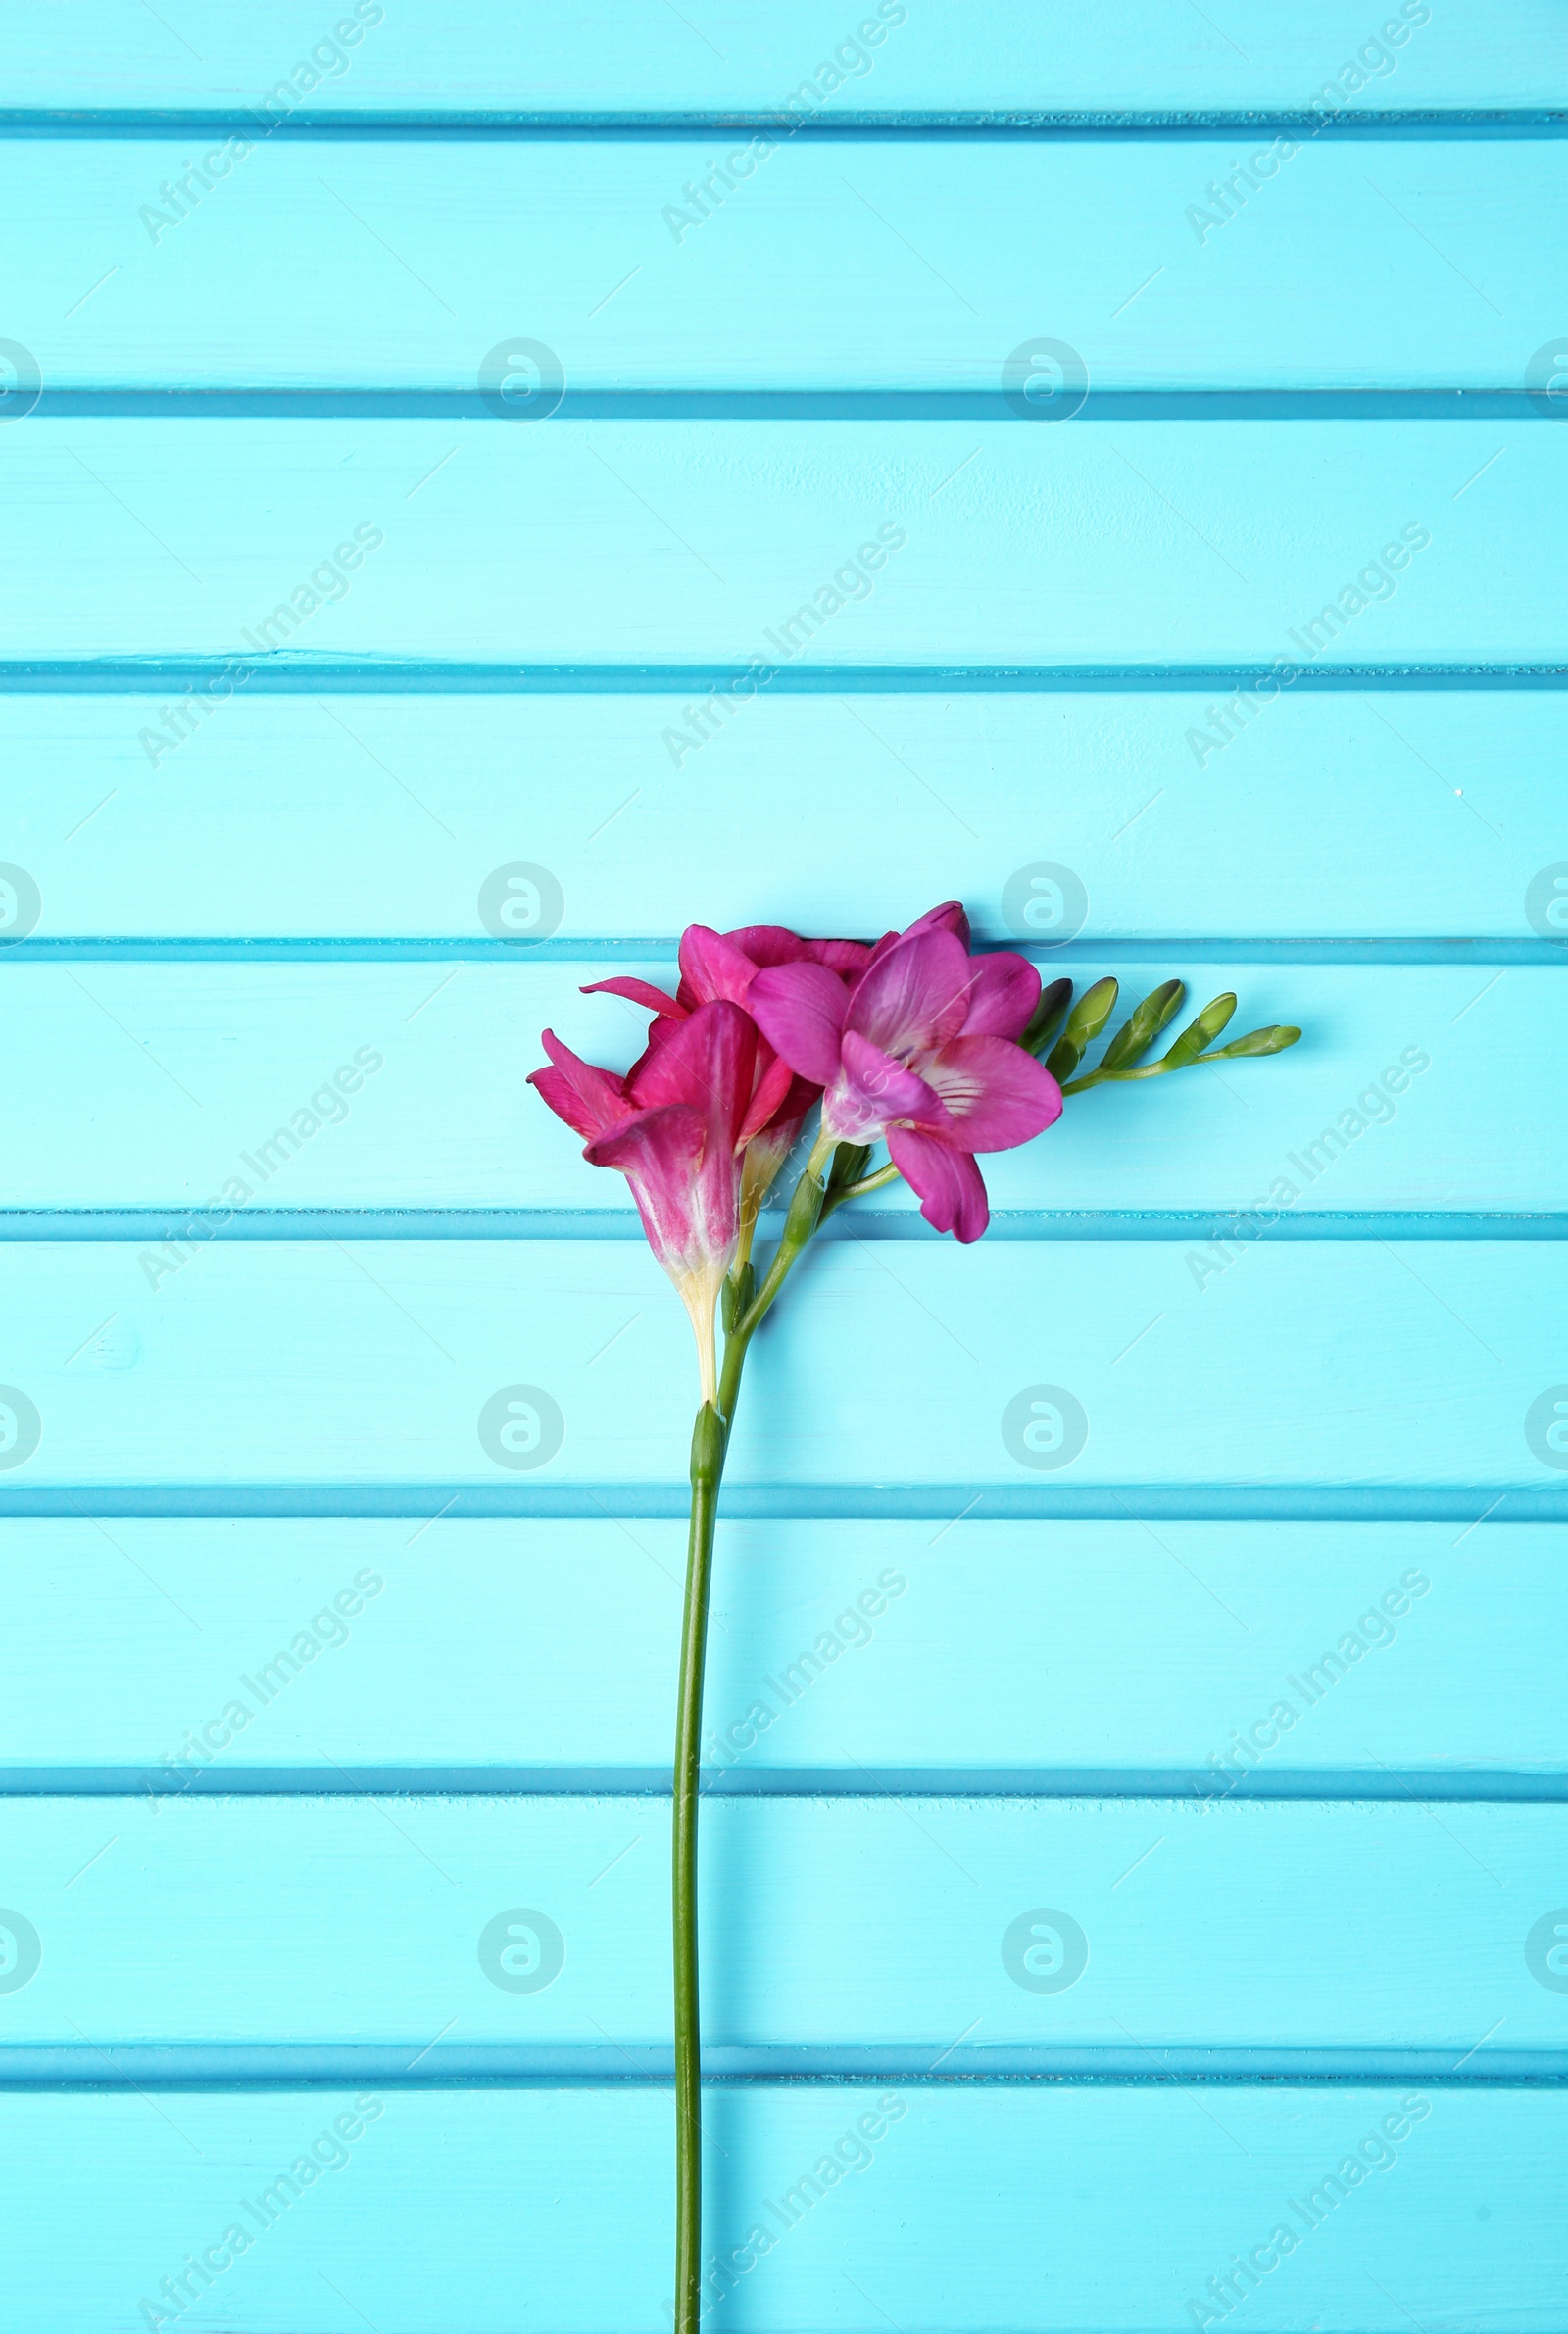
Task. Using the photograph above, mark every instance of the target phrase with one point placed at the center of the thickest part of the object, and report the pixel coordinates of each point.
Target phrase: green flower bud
(708, 1447)
(1087, 1019)
(1042, 1021)
(1200, 1033)
(1143, 1025)
(1273, 1041)
(804, 1211)
(849, 1165)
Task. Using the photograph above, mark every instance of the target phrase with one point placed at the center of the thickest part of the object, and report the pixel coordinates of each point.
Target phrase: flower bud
(1143, 1025)
(1043, 1021)
(1202, 1032)
(1087, 1019)
(1272, 1040)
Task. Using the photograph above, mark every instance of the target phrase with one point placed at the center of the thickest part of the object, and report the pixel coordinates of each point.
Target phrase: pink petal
(767, 944)
(665, 1142)
(637, 992)
(1003, 991)
(949, 917)
(708, 1059)
(677, 1147)
(786, 1115)
(774, 1082)
(952, 1188)
(793, 1109)
(713, 966)
(839, 956)
(588, 1098)
(766, 1153)
(879, 1088)
(660, 1152)
(661, 1029)
(799, 1009)
(999, 1096)
(914, 996)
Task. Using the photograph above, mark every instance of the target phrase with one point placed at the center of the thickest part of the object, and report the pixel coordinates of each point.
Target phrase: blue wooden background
(327, 613)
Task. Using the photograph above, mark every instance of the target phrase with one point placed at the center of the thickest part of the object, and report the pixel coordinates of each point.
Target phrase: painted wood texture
(1064, 1656)
(856, 265)
(261, 805)
(828, 1922)
(378, 816)
(480, 2211)
(946, 57)
(341, 1363)
(395, 1086)
(1108, 544)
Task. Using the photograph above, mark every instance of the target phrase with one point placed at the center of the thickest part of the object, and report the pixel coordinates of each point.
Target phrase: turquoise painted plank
(411, 802)
(401, 1085)
(549, 1648)
(1365, 1363)
(828, 1923)
(1106, 543)
(945, 56)
(843, 265)
(484, 2211)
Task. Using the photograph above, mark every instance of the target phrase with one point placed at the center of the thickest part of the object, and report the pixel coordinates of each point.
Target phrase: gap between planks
(197, 2066)
(1425, 1786)
(1420, 125)
(811, 1503)
(123, 1225)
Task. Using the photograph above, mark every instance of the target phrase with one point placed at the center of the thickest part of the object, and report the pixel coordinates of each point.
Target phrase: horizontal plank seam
(70, 1225)
(897, 124)
(422, 948)
(1480, 401)
(1422, 1786)
(298, 675)
(816, 1503)
(416, 2065)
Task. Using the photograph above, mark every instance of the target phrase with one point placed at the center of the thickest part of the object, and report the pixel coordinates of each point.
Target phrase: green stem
(858, 1190)
(1120, 1077)
(706, 1468)
(709, 1444)
(800, 1222)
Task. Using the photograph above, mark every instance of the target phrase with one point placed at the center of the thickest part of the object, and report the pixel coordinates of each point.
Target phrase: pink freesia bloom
(676, 1125)
(920, 1049)
(716, 966)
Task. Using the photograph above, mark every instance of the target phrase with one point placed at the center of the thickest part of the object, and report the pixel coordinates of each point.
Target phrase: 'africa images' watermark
(202, 1744)
(1374, 1106)
(1372, 62)
(851, 581)
(327, 62)
(851, 1628)
(853, 2151)
(851, 60)
(328, 1107)
(1229, 1769)
(1374, 581)
(328, 580)
(329, 2151)
(1377, 2152)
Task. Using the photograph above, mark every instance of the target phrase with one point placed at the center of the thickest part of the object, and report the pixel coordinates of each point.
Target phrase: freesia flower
(676, 1125)
(919, 1049)
(716, 966)
(914, 1040)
